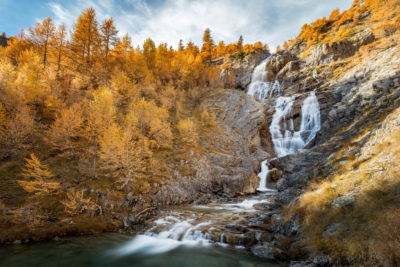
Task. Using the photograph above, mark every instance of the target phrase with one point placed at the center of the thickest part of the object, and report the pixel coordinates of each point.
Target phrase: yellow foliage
(39, 176)
(75, 203)
(188, 131)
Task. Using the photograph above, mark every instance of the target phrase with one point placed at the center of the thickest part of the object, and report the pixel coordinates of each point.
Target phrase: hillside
(97, 135)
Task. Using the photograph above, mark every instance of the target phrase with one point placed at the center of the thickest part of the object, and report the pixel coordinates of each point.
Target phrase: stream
(189, 235)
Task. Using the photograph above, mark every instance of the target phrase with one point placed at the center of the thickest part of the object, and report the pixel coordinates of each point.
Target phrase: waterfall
(264, 177)
(259, 87)
(286, 140)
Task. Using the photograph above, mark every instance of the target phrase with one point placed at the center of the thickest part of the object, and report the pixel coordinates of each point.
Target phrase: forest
(85, 110)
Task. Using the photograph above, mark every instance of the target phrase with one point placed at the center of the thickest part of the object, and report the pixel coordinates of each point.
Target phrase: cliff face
(351, 160)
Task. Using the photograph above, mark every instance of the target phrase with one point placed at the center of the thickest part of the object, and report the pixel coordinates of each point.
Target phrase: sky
(268, 21)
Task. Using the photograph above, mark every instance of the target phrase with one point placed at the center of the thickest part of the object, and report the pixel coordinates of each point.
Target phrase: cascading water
(285, 138)
(177, 233)
(287, 141)
(264, 177)
(259, 87)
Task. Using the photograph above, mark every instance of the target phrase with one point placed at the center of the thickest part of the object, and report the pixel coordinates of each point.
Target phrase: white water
(285, 138)
(259, 87)
(180, 233)
(264, 177)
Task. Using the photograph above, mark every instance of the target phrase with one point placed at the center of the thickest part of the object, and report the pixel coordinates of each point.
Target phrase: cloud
(269, 21)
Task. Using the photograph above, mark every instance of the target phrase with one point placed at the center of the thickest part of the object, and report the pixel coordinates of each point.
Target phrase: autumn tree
(76, 203)
(85, 37)
(108, 36)
(100, 116)
(41, 36)
(207, 47)
(181, 47)
(239, 44)
(126, 156)
(149, 53)
(40, 178)
(66, 129)
(60, 40)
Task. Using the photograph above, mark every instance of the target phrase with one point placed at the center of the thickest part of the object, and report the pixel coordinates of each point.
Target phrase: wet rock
(236, 228)
(267, 206)
(264, 252)
(259, 221)
(234, 238)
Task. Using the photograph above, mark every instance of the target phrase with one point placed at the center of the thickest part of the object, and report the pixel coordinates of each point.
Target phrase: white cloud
(269, 21)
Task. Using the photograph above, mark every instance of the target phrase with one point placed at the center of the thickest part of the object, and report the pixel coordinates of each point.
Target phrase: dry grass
(369, 232)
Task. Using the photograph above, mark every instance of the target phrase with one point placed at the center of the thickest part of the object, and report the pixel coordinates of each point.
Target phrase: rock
(268, 206)
(275, 174)
(301, 264)
(236, 228)
(322, 260)
(331, 230)
(17, 242)
(231, 162)
(290, 228)
(287, 195)
(326, 53)
(343, 201)
(237, 74)
(264, 252)
(276, 223)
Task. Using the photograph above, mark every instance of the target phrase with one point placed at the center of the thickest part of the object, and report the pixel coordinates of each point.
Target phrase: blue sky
(269, 21)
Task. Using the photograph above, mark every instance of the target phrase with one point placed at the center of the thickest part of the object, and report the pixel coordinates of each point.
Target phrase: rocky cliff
(357, 82)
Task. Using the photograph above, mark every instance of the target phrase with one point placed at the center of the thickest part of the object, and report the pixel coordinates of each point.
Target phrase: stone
(326, 53)
(264, 252)
(322, 260)
(236, 228)
(343, 201)
(275, 174)
(290, 228)
(331, 230)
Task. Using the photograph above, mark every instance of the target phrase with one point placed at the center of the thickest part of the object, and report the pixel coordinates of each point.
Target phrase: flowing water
(260, 87)
(100, 250)
(286, 139)
(189, 235)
